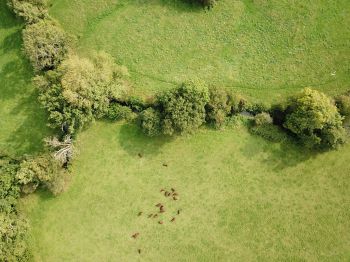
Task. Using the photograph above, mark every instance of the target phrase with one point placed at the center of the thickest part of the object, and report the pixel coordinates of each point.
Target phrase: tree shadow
(278, 155)
(133, 141)
(28, 136)
(8, 18)
(179, 5)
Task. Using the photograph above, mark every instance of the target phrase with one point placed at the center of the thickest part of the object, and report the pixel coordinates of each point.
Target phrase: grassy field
(22, 122)
(242, 199)
(264, 49)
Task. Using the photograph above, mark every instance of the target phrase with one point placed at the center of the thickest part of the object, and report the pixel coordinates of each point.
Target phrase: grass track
(243, 199)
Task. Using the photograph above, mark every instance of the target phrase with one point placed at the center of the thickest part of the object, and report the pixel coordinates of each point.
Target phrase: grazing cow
(175, 198)
(150, 215)
(164, 164)
(172, 189)
(159, 205)
(140, 155)
(178, 212)
(166, 193)
(139, 251)
(155, 215)
(135, 235)
(162, 190)
(140, 213)
(160, 222)
(175, 194)
(173, 219)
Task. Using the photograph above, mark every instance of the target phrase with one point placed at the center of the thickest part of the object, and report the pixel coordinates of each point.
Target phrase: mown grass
(242, 199)
(264, 49)
(22, 122)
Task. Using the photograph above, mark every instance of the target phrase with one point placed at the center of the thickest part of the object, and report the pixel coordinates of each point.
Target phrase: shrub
(32, 11)
(13, 231)
(269, 132)
(13, 227)
(278, 113)
(257, 108)
(81, 90)
(314, 118)
(262, 119)
(183, 108)
(206, 3)
(42, 170)
(45, 44)
(343, 105)
(218, 107)
(119, 112)
(150, 121)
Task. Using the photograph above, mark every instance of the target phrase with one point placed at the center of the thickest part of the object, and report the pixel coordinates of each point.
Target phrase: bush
(314, 118)
(218, 107)
(119, 112)
(13, 227)
(183, 108)
(45, 44)
(257, 108)
(151, 122)
(269, 132)
(42, 170)
(262, 119)
(80, 90)
(13, 232)
(206, 3)
(343, 104)
(32, 11)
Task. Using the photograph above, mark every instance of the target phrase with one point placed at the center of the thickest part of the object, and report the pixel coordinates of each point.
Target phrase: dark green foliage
(119, 112)
(278, 113)
(45, 44)
(269, 132)
(183, 108)
(314, 118)
(136, 103)
(42, 170)
(13, 227)
(151, 122)
(206, 3)
(218, 107)
(343, 104)
(32, 11)
(257, 108)
(80, 90)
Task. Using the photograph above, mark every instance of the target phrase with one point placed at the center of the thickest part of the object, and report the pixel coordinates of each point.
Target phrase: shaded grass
(264, 49)
(22, 122)
(242, 199)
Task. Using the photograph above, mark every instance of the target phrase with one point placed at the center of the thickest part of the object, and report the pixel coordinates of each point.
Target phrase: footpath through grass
(22, 122)
(242, 199)
(264, 49)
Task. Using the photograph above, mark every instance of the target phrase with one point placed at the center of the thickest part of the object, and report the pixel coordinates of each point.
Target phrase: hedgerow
(32, 11)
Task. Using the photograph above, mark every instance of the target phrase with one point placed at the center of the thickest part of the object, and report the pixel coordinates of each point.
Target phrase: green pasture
(263, 49)
(241, 199)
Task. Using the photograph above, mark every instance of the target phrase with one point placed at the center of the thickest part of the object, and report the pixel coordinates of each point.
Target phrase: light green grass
(264, 49)
(22, 122)
(242, 199)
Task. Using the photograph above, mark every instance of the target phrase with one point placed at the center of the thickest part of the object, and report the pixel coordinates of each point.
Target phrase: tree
(32, 11)
(45, 44)
(314, 118)
(183, 108)
(80, 90)
(151, 122)
(343, 104)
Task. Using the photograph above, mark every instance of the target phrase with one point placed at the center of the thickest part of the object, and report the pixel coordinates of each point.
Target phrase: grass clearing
(242, 198)
(263, 49)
